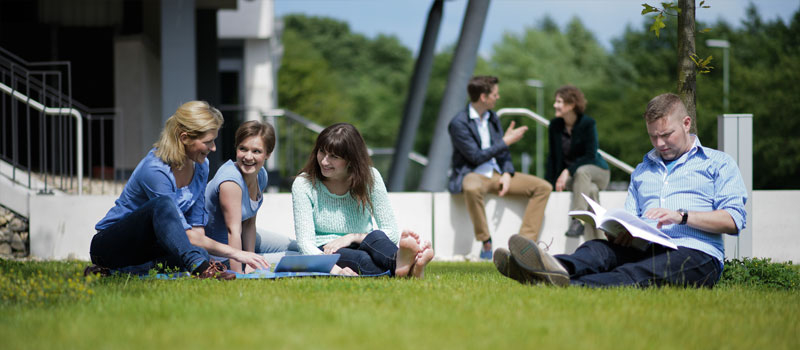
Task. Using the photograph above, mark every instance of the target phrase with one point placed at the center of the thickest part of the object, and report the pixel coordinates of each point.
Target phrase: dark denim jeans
(599, 263)
(151, 234)
(375, 255)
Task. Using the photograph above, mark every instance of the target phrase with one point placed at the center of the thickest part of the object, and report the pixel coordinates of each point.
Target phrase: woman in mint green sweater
(336, 196)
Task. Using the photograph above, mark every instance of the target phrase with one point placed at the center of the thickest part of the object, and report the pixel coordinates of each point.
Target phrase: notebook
(307, 263)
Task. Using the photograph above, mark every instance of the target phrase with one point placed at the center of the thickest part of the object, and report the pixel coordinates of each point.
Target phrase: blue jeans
(599, 263)
(151, 234)
(271, 242)
(375, 255)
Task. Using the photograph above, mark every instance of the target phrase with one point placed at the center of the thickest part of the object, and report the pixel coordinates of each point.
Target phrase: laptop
(307, 263)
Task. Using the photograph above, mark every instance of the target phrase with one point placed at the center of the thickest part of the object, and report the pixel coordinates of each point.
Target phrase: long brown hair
(344, 140)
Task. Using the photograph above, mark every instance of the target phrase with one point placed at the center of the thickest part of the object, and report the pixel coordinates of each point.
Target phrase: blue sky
(606, 18)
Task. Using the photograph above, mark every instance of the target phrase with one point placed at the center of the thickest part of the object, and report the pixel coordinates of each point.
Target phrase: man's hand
(513, 135)
(336, 270)
(561, 182)
(623, 238)
(251, 259)
(505, 184)
(663, 216)
(336, 244)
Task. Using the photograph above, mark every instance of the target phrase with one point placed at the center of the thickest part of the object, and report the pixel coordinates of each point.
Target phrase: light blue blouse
(216, 228)
(153, 178)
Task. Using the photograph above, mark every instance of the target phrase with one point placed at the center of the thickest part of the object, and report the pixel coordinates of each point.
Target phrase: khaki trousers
(590, 180)
(476, 186)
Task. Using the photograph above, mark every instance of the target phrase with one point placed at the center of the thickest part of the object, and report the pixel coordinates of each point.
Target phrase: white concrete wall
(250, 19)
(62, 226)
(454, 234)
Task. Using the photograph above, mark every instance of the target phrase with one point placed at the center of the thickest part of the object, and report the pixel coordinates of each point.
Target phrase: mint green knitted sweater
(321, 216)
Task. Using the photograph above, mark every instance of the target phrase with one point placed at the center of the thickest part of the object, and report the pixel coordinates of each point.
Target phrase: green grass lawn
(48, 305)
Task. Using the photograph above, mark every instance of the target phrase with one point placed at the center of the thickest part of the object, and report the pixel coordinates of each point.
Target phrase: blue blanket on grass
(258, 275)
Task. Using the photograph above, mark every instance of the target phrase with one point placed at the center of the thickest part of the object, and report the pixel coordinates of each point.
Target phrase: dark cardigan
(583, 147)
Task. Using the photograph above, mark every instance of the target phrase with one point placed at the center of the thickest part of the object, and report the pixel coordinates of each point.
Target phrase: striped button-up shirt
(702, 179)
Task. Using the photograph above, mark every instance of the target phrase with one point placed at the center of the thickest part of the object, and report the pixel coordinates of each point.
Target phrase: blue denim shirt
(153, 178)
(702, 179)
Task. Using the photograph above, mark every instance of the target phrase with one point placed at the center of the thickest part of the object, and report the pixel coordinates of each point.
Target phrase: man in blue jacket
(481, 163)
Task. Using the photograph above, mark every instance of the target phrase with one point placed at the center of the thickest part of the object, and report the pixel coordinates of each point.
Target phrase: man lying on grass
(693, 193)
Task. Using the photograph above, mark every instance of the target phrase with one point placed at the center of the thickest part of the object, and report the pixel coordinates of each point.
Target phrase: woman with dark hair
(234, 195)
(573, 163)
(160, 215)
(336, 196)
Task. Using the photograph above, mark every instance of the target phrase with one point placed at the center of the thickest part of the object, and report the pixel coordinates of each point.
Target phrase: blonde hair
(195, 118)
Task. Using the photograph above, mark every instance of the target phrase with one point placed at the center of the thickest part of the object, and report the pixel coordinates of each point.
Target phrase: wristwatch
(684, 216)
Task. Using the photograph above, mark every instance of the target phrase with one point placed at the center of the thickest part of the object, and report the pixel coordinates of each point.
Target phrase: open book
(615, 221)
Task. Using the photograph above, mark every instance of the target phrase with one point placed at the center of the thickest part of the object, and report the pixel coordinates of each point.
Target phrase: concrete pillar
(178, 62)
(455, 95)
(137, 95)
(258, 77)
(735, 137)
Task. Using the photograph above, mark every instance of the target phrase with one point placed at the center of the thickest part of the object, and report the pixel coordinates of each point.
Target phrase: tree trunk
(687, 73)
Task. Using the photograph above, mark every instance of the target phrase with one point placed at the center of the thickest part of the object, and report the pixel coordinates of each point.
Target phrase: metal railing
(37, 97)
(295, 137)
(541, 120)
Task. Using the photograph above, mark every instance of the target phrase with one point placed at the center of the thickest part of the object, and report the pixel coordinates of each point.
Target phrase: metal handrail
(541, 120)
(311, 126)
(56, 111)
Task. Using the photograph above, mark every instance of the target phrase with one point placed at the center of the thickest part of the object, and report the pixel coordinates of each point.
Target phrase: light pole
(725, 46)
(539, 85)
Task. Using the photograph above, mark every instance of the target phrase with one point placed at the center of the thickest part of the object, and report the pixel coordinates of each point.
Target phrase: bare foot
(406, 255)
(407, 233)
(423, 258)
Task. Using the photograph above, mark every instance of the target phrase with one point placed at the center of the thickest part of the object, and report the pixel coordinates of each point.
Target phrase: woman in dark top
(573, 163)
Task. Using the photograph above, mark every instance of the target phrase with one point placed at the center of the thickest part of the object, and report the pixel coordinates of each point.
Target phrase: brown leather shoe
(96, 270)
(216, 270)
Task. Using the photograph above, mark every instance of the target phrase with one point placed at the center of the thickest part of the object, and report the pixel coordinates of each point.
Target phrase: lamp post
(539, 85)
(725, 46)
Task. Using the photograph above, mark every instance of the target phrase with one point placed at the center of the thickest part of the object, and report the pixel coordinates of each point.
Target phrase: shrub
(761, 272)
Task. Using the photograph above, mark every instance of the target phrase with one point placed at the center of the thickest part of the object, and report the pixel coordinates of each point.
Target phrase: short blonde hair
(195, 118)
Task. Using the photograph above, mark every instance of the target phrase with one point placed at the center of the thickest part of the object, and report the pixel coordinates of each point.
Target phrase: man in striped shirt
(692, 193)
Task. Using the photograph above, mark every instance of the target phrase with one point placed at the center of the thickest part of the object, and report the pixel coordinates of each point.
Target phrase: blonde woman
(160, 215)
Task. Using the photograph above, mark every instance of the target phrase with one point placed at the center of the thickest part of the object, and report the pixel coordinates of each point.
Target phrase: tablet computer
(307, 263)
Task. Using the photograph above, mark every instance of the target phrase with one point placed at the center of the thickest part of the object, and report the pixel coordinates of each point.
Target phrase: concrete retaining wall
(62, 226)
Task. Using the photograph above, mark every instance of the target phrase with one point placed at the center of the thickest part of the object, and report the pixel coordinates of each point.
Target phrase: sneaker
(486, 250)
(216, 270)
(508, 267)
(96, 270)
(575, 229)
(538, 263)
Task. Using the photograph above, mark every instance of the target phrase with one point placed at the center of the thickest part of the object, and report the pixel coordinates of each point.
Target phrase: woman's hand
(561, 182)
(342, 242)
(336, 270)
(251, 259)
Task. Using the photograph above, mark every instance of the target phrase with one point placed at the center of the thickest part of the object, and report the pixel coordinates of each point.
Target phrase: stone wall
(14, 237)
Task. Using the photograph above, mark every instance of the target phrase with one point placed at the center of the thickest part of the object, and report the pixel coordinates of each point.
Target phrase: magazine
(615, 221)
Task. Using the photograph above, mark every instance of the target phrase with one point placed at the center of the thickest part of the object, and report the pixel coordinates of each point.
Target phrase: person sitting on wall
(573, 163)
(481, 163)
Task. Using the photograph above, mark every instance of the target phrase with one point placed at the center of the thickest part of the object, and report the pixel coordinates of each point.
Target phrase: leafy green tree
(370, 76)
